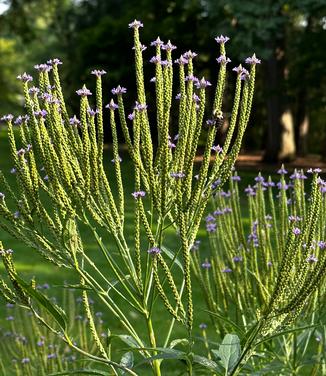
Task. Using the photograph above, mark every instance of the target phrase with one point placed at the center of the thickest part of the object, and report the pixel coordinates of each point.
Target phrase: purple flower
(119, 90)
(166, 63)
(236, 178)
(25, 77)
(169, 46)
(52, 356)
(155, 60)
(315, 170)
(74, 121)
(16, 214)
(192, 78)
(210, 227)
(221, 39)
(112, 106)
(40, 343)
(142, 47)
(217, 148)
(283, 186)
(259, 179)
(25, 360)
(19, 120)
(216, 183)
(252, 60)
(154, 251)
(202, 84)
(311, 259)
(21, 152)
(227, 270)
(54, 61)
(6, 252)
(43, 67)
(237, 259)
(189, 55)
(282, 171)
(223, 59)
(98, 73)
(92, 112)
(239, 69)
(131, 116)
(33, 90)
(321, 244)
(171, 145)
(10, 318)
(250, 191)
(206, 265)
(210, 122)
(293, 218)
(138, 194)
(40, 114)
(195, 246)
(296, 231)
(195, 98)
(182, 60)
(13, 170)
(269, 263)
(140, 106)
(244, 74)
(177, 175)
(202, 326)
(153, 79)
(84, 92)
(7, 117)
(135, 25)
(210, 218)
(157, 42)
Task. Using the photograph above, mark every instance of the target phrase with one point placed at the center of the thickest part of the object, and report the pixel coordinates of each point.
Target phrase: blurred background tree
(289, 37)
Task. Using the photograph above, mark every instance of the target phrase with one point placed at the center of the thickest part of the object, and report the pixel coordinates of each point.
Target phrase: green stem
(151, 334)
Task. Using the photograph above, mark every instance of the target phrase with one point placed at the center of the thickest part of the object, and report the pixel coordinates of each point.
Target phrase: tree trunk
(302, 123)
(280, 143)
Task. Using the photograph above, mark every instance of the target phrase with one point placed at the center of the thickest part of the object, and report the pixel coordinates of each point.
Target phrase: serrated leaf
(229, 351)
(55, 311)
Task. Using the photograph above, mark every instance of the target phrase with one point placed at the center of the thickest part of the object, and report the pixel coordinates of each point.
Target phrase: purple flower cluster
(253, 236)
(177, 175)
(154, 251)
(25, 77)
(112, 106)
(84, 92)
(119, 90)
(98, 73)
(138, 194)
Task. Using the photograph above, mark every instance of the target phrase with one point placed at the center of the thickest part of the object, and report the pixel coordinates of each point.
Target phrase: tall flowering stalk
(61, 163)
(263, 280)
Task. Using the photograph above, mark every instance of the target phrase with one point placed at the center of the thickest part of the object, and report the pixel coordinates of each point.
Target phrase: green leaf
(179, 341)
(172, 256)
(55, 311)
(229, 351)
(84, 371)
(127, 361)
(225, 319)
(207, 363)
(129, 340)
